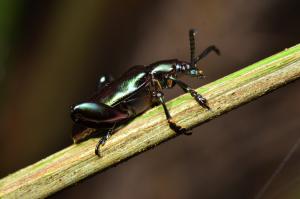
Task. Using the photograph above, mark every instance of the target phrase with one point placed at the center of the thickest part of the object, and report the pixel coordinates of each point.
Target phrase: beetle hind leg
(103, 139)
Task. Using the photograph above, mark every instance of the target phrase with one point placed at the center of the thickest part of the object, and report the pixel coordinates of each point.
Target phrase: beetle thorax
(182, 67)
(160, 71)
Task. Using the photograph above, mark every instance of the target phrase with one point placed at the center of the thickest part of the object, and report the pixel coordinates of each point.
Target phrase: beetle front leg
(201, 100)
(178, 129)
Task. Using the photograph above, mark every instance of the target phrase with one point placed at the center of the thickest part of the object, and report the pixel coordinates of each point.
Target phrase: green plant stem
(77, 162)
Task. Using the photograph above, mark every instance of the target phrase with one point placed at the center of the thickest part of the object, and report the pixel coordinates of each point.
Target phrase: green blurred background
(52, 53)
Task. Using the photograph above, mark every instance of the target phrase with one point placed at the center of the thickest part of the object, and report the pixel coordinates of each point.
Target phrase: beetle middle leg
(172, 124)
(199, 98)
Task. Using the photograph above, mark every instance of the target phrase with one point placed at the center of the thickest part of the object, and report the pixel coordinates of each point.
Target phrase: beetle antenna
(192, 34)
(206, 52)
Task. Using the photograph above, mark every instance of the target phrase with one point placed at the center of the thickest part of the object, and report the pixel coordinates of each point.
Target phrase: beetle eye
(193, 72)
(196, 72)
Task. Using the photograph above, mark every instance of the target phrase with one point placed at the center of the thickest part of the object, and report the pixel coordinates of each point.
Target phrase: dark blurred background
(52, 53)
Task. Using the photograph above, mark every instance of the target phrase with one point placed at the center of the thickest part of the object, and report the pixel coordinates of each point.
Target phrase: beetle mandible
(118, 101)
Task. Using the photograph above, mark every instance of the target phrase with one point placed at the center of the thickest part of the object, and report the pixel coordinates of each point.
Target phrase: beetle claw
(101, 142)
(97, 149)
(176, 128)
(203, 104)
(202, 101)
(188, 133)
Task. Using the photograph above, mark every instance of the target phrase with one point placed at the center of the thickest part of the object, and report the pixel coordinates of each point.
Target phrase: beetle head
(195, 72)
(189, 69)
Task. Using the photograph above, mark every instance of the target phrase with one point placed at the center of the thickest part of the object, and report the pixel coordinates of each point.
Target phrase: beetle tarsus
(103, 140)
(178, 129)
(175, 127)
(97, 148)
(199, 98)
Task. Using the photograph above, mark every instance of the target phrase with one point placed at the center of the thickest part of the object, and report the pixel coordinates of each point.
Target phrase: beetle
(116, 102)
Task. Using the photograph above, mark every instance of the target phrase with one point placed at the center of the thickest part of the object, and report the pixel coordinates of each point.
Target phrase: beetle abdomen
(122, 88)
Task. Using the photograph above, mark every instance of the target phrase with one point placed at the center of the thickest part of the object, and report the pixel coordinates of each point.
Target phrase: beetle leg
(201, 100)
(95, 115)
(173, 126)
(103, 139)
